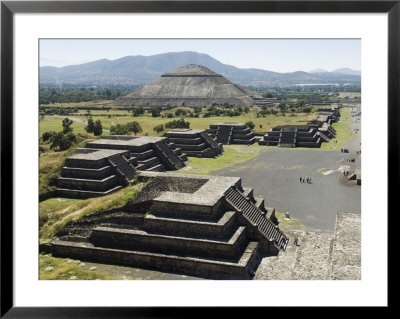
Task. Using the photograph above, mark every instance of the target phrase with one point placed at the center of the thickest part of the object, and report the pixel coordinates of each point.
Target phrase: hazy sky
(280, 55)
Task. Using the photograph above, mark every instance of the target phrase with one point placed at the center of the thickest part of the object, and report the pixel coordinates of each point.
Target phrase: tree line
(50, 95)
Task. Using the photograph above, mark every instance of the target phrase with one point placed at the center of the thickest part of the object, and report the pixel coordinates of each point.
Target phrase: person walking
(301, 179)
(296, 241)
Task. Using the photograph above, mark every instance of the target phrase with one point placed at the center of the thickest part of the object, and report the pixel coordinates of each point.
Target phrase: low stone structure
(231, 133)
(294, 136)
(107, 164)
(310, 135)
(145, 152)
(94, 172)
(195, 143)
(207, 226)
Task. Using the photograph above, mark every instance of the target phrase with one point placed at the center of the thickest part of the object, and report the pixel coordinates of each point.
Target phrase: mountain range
(140, 70)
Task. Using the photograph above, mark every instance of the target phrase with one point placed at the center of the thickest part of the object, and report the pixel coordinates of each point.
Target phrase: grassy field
(343, 95)
(113, 117)
(232, 154)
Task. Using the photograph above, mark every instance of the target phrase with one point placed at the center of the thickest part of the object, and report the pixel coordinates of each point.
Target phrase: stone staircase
(169, 158)
(255, 215)
(210, 140)
(124, 166)
(288, 139)
(224, 134)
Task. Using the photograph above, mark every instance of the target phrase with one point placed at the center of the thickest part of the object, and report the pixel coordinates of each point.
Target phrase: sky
(279, 55)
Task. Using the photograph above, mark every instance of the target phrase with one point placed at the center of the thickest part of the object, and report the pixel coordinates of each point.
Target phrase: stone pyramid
(190, 85)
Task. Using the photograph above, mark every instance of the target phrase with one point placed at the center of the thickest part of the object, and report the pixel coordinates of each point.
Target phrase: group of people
(345, 173)
(305, 180)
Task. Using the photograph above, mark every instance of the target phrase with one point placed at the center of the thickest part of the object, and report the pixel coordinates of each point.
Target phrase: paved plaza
(275, 175)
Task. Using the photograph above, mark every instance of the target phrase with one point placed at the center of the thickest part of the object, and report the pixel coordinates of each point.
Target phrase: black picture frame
(9, 8)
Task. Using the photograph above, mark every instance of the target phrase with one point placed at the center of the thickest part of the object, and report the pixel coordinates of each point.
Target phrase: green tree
(134, 127)
(158, 128)
(47, 136)
(137, 111)
(250, 124)
(61, 141)
(66, 123)
(89, 128)
(180, 112)
(118, 130)
(97, 128)
(155, 111)
(177, 124)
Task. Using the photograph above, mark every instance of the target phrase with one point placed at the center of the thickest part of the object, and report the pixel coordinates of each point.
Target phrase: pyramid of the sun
(190, 85)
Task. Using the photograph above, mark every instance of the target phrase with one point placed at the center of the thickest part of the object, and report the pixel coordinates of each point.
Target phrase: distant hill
(140, 70)
(347, 71)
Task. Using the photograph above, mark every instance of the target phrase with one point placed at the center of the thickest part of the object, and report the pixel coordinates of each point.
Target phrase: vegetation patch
(232, 154)
(50, 164)
(55, 213)
(288, 223)
(51, 268)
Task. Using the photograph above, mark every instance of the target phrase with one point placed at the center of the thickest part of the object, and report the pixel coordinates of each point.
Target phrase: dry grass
(56, 213)
(51, 268)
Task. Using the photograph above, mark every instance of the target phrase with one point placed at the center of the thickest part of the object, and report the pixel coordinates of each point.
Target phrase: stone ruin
(206, 226)
(294, 136)
(94, 172)
(190, 85)
(196, 143)
(311, 135)
(231, 133)
(107, 164)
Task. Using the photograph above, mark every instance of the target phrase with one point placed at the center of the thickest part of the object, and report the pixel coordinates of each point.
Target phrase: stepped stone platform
(294, 136)
(94, 172)
(146, 152)
(207, 226)
(190, 85)
(108, 164)
(231, 133)
(196, 143)
(311, 135)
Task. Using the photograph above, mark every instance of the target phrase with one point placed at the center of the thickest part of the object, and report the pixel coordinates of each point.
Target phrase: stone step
(156, 168)
(86, 173)
(73, 193)
(191, 228)
(248, 192)
(240, 269)
(144, 155)
(192, 147)
(149, 161)
(141, 240)
(87, 184)
(260, 203)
